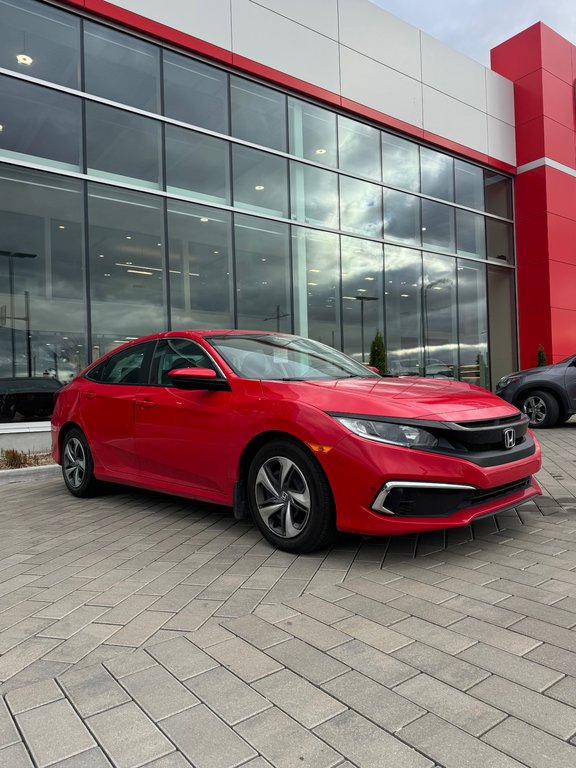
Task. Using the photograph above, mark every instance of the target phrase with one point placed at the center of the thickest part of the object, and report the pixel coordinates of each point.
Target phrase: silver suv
(547, 394)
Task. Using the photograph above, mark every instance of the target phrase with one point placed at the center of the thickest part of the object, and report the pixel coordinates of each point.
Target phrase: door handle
(146, 403)
(88, 394)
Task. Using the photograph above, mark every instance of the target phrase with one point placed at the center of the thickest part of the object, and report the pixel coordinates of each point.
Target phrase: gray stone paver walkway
(139, 630)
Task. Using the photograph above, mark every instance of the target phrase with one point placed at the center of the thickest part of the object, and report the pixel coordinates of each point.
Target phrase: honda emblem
(509, 438)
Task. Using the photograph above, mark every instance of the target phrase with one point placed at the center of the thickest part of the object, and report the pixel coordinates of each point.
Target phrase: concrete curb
(29, 473)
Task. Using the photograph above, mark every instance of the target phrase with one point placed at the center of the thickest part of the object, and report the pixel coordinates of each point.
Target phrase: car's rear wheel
(77, 465)
(541, 408)
(290, 498)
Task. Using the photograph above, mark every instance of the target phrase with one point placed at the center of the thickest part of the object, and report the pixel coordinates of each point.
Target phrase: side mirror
(197, 378)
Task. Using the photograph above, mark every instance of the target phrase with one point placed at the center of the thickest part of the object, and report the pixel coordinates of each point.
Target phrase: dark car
(547, 394)
(28, 397)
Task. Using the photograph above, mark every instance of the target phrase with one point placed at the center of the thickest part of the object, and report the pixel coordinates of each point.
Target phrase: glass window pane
(40, 41)
(359, 148)
(262, 274)
(360, 207)
(312, 132)
(440, 320)
(122, 146)
(498, 192)
(437, 174)
(41, 280)
(314, 195)
(437, 226)
(503, 332)
(197, 164)
(200, 266)
(499, 241)
(362, 301)
(316, 259)
(177, 353)
(402, 217)
(126, 265)
(40, 125)
(195, 93)
(258, 114)
(121, 68)
(473, 324)
(400, 162)
(403, 301)
(469, 185)
(260, 181)
(127, 367)
(470, 234)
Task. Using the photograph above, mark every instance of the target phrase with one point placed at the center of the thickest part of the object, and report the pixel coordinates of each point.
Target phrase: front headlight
(386, 432)
(506, 381)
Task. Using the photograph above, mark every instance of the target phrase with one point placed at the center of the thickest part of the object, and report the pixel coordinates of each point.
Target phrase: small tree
(378, 354)
(541, 359)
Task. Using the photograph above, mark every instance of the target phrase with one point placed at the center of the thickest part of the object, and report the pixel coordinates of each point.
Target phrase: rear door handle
(146, 403)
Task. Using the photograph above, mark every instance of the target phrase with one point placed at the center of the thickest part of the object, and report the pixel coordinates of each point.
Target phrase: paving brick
(534, 708)
(452, 747)
(21, 631)
(378, 636)
(137, 631)
(430, 634)
(424, 609)
(92, 758)
(128, 737)
(241, 602)
(323, 610)
(182, 658)
(313, 632)
(286, 744)
(548, 613)
(54, 732)
(367, 745)
(453, 705)
(80, 644)
(158, 692)
(28, 697)
(8, 732)
(528, 592)
(564, 690)
(416, 572)
(23, 655)
(210, 633)
(505, 639)
(373, 590)
(205, 740)
(174, 760)
(128, 663)
(63, 607)
(376, 702)
(442, 666)
(243, 659)
(225, 694)
(530, 745)
(15, 756)
(515, 668)
(307, 661)
(92, 689)
(493, 614)
(73, 622)
(417, 588)
(256, 631)
(194, 615)
(379, 666)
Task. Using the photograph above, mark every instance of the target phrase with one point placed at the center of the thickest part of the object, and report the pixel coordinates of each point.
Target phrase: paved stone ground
(142, 630)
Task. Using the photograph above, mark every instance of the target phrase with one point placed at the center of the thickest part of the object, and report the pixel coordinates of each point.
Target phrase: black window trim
(153, 374)
(150, 347)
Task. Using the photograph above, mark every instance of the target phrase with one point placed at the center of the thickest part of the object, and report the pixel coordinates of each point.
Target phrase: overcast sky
(475, 26)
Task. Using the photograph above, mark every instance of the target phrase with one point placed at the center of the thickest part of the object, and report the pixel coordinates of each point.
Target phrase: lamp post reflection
(362, 299)
(11, 255)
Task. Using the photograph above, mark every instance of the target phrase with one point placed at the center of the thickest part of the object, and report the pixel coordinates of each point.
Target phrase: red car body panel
(190, 442)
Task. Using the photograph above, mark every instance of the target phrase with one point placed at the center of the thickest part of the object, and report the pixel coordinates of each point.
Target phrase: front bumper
(358, 471)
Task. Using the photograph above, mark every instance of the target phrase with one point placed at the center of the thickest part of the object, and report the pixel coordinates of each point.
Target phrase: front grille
(442, 502)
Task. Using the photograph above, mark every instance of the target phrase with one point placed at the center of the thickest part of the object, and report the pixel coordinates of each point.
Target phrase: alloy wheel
(282, 497)
(535, 409)
(74, 462)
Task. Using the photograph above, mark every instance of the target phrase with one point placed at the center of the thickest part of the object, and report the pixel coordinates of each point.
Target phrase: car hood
(539, 369)
(404, 397)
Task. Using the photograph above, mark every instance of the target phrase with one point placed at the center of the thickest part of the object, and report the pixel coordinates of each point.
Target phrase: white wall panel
(501, 140)
(453, 73)
(450, 118)
(375, 85)
(374, 32)
(273, 40)
(319, 15)
(210, 21)
(500, 97)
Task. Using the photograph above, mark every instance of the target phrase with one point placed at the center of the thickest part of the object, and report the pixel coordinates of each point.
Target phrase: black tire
(77, 465)
(542, 408)
(290, 499)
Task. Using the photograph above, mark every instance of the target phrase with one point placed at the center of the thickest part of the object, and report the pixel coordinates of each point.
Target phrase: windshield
(285, 358)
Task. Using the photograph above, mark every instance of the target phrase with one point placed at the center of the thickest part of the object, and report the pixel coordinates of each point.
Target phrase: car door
(570, 383)
(106, 406)
(185, 437)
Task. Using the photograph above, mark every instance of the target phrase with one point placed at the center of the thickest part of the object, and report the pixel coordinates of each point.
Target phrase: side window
(95, 373)
(127, 367)
(177, 353)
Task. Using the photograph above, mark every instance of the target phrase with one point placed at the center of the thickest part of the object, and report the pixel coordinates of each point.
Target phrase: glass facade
(142, 190)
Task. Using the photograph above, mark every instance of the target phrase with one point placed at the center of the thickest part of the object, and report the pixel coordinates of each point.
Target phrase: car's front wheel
(77, 465)
(290, 498)
(541, 408)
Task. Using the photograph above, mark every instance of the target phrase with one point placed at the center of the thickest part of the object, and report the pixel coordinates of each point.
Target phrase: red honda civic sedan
(290, 432)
